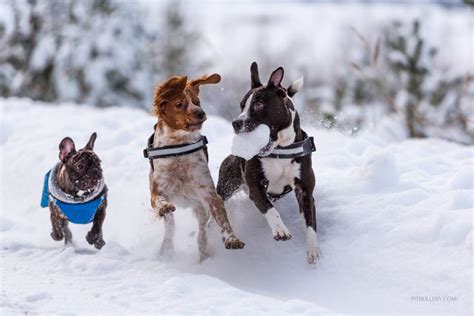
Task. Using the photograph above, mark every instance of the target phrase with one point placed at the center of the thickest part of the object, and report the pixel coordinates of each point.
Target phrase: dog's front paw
(281, 233)
(313, 255)
(233, 242)
(99, 244)
(166, 208)
(57, 235)
(95, 239)
(279, 230)
(312, 246)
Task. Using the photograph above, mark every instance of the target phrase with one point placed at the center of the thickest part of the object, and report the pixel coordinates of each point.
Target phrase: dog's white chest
(280, 173)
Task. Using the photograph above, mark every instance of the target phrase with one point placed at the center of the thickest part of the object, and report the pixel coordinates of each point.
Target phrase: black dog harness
(298, 149)
(172, 150)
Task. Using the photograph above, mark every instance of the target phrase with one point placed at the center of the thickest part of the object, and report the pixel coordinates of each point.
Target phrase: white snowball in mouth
(248, 145)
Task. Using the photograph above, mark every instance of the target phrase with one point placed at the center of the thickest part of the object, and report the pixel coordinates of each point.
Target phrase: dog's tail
(295, 87)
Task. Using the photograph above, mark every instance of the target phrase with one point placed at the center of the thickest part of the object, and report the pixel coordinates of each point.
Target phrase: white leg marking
(279, 230)
(312, 245)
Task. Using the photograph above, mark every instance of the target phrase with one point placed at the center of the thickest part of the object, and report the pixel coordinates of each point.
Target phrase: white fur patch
(287, 135)
(280, 173)
(245, 111)
(184, 179)
(297, 84)
(312, 245)
(279, 229)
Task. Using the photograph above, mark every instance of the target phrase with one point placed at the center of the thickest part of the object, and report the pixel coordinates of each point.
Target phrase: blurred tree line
(98, 52)
(101, 52)
(396, 77)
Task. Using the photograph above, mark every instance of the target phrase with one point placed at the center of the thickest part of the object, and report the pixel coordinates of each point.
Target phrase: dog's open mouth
(84, 193)
(86, 186)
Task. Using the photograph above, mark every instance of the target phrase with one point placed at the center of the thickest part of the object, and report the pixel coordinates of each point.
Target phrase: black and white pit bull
(283, 165)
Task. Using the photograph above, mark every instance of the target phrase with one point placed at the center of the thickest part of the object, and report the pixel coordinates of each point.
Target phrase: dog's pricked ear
(254, 77)
(66, 149)
(295, 87)
(91, 142)
(211, 79)
(276, 77)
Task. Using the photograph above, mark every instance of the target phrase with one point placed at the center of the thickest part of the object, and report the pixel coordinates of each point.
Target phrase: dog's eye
(258, 106)
(80, 166)
(198, 103)
(179, 105)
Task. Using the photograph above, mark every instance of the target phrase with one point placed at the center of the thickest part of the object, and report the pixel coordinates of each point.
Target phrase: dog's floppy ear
(276, 77)
(211, 79)
(254, 77)
(91, 142)
(66, 149)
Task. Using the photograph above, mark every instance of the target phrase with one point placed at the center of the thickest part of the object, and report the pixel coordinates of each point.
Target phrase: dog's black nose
(95, 172)
(200, 115)
(237, 124)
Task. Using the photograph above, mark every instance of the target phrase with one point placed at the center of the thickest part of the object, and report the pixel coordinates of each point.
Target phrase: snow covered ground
(394, 215)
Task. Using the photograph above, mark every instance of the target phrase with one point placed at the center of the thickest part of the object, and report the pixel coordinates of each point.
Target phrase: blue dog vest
(77, 213)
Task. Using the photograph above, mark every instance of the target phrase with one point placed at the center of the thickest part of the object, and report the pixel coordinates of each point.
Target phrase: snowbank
(395, 223)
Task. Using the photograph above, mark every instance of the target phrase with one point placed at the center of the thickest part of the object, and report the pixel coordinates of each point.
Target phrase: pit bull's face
(82, 166)
(270, 105)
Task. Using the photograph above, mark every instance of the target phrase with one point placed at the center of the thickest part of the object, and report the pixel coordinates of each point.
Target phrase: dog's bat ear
(276, 77)
(91, 142)
(254, 77)
(66, 149)
(295, 87)
(211, 79)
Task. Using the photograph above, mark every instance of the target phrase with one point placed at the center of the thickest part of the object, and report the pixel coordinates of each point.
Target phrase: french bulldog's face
(82, 166)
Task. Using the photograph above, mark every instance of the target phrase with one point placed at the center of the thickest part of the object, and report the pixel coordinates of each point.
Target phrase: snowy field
(394, 216)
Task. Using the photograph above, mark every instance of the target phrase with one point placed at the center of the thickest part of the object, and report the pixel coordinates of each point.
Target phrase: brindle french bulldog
(78, 174)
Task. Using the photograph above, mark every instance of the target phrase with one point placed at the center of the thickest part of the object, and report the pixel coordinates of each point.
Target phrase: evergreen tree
(90, 51)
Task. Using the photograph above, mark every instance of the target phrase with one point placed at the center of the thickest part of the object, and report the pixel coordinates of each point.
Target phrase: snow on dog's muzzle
(250, 144)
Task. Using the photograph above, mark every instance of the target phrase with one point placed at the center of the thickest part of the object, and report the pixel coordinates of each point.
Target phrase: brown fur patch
(176, 101)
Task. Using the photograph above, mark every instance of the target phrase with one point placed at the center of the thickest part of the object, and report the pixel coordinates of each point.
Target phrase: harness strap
(295, 150)
(173, 150)
(274, 197)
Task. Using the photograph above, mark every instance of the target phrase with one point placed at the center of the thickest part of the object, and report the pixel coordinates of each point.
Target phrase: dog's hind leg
(67, 232)
(95, 236)
(202, 216)
(304, 194)
(230, 176)
(167, 246)
(59, 222)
